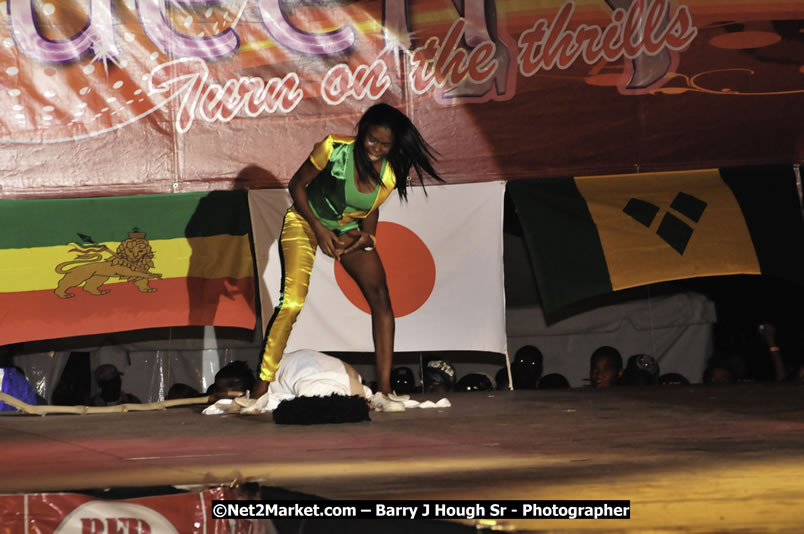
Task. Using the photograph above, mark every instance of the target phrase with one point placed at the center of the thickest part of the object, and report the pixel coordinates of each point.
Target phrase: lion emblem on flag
(132, 261)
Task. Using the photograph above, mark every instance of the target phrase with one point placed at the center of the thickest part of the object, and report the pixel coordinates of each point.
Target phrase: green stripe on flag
(562, 241)
(47, 222)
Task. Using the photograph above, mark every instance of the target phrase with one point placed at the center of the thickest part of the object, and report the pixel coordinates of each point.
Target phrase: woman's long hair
(409, 148)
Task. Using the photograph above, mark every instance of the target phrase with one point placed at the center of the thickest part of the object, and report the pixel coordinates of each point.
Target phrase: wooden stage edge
(689, 458)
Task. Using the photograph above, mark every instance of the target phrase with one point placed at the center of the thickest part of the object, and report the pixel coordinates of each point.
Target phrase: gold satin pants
(297, 246)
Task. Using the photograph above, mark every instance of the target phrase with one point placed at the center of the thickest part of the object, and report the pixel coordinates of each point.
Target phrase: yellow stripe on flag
(219, 256)
(719, 243)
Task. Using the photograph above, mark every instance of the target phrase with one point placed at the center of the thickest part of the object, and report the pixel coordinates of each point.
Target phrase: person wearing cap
(641, 370)
(438, 376)
(107, 376)
(475, 382)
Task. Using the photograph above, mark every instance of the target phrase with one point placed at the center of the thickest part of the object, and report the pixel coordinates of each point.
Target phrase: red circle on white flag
(409, 270)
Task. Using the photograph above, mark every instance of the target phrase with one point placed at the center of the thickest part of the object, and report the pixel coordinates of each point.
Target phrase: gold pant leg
(297, 246)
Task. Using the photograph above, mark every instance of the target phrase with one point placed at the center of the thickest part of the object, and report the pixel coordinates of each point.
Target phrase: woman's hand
(357, 239)
(328, 241)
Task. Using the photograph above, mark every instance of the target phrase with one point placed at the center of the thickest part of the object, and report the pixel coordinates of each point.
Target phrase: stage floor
(689, 458)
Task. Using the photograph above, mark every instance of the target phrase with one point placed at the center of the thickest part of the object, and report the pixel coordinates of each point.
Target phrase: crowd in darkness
(764, 359)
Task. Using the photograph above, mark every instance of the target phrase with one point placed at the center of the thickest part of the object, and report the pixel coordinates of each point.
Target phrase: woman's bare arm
(327, 239)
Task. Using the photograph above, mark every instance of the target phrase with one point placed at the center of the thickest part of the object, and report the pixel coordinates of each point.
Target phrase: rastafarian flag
(72, 267)
(590, 235)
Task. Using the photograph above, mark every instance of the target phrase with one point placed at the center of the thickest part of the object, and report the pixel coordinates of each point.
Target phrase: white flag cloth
(443, 259)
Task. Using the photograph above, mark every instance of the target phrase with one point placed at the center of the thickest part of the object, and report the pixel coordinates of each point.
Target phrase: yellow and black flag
(590, 235)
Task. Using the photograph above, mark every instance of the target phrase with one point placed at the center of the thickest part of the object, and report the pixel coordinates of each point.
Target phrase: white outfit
(309, 373)
(301, 373)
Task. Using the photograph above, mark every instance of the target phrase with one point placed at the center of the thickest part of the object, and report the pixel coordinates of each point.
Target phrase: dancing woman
(336, 196)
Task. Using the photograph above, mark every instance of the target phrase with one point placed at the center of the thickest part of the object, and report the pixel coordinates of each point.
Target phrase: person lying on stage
(309, 373)
(336, 196)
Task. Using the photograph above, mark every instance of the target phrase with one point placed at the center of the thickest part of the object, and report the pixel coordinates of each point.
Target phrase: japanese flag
(442, 254)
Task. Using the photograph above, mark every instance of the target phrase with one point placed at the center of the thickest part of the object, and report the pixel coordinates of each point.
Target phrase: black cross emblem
(673, 230)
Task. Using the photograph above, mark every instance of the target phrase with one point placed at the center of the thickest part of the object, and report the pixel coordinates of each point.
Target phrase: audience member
(13, 380)
(403, 381)
(111, 388)
(641, 370)
(73, 387)
(232, 380)
(501, 379)
(180, 390)
(605, 367)
(39, 399)
(553, 381)
(767, 332)
(718, 372)
(526, 369)
(67, 393)
(438, 377)
(14, 383)
(475, 382)
(745, 369)
(673, 379)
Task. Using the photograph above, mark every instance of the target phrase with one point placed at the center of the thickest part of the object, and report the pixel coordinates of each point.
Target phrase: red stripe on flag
(34, 315)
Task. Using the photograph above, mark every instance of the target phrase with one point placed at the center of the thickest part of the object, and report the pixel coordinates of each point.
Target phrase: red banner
(63, 513)
(115, 96)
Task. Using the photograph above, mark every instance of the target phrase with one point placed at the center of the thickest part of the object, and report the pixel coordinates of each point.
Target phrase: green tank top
(344, 166)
